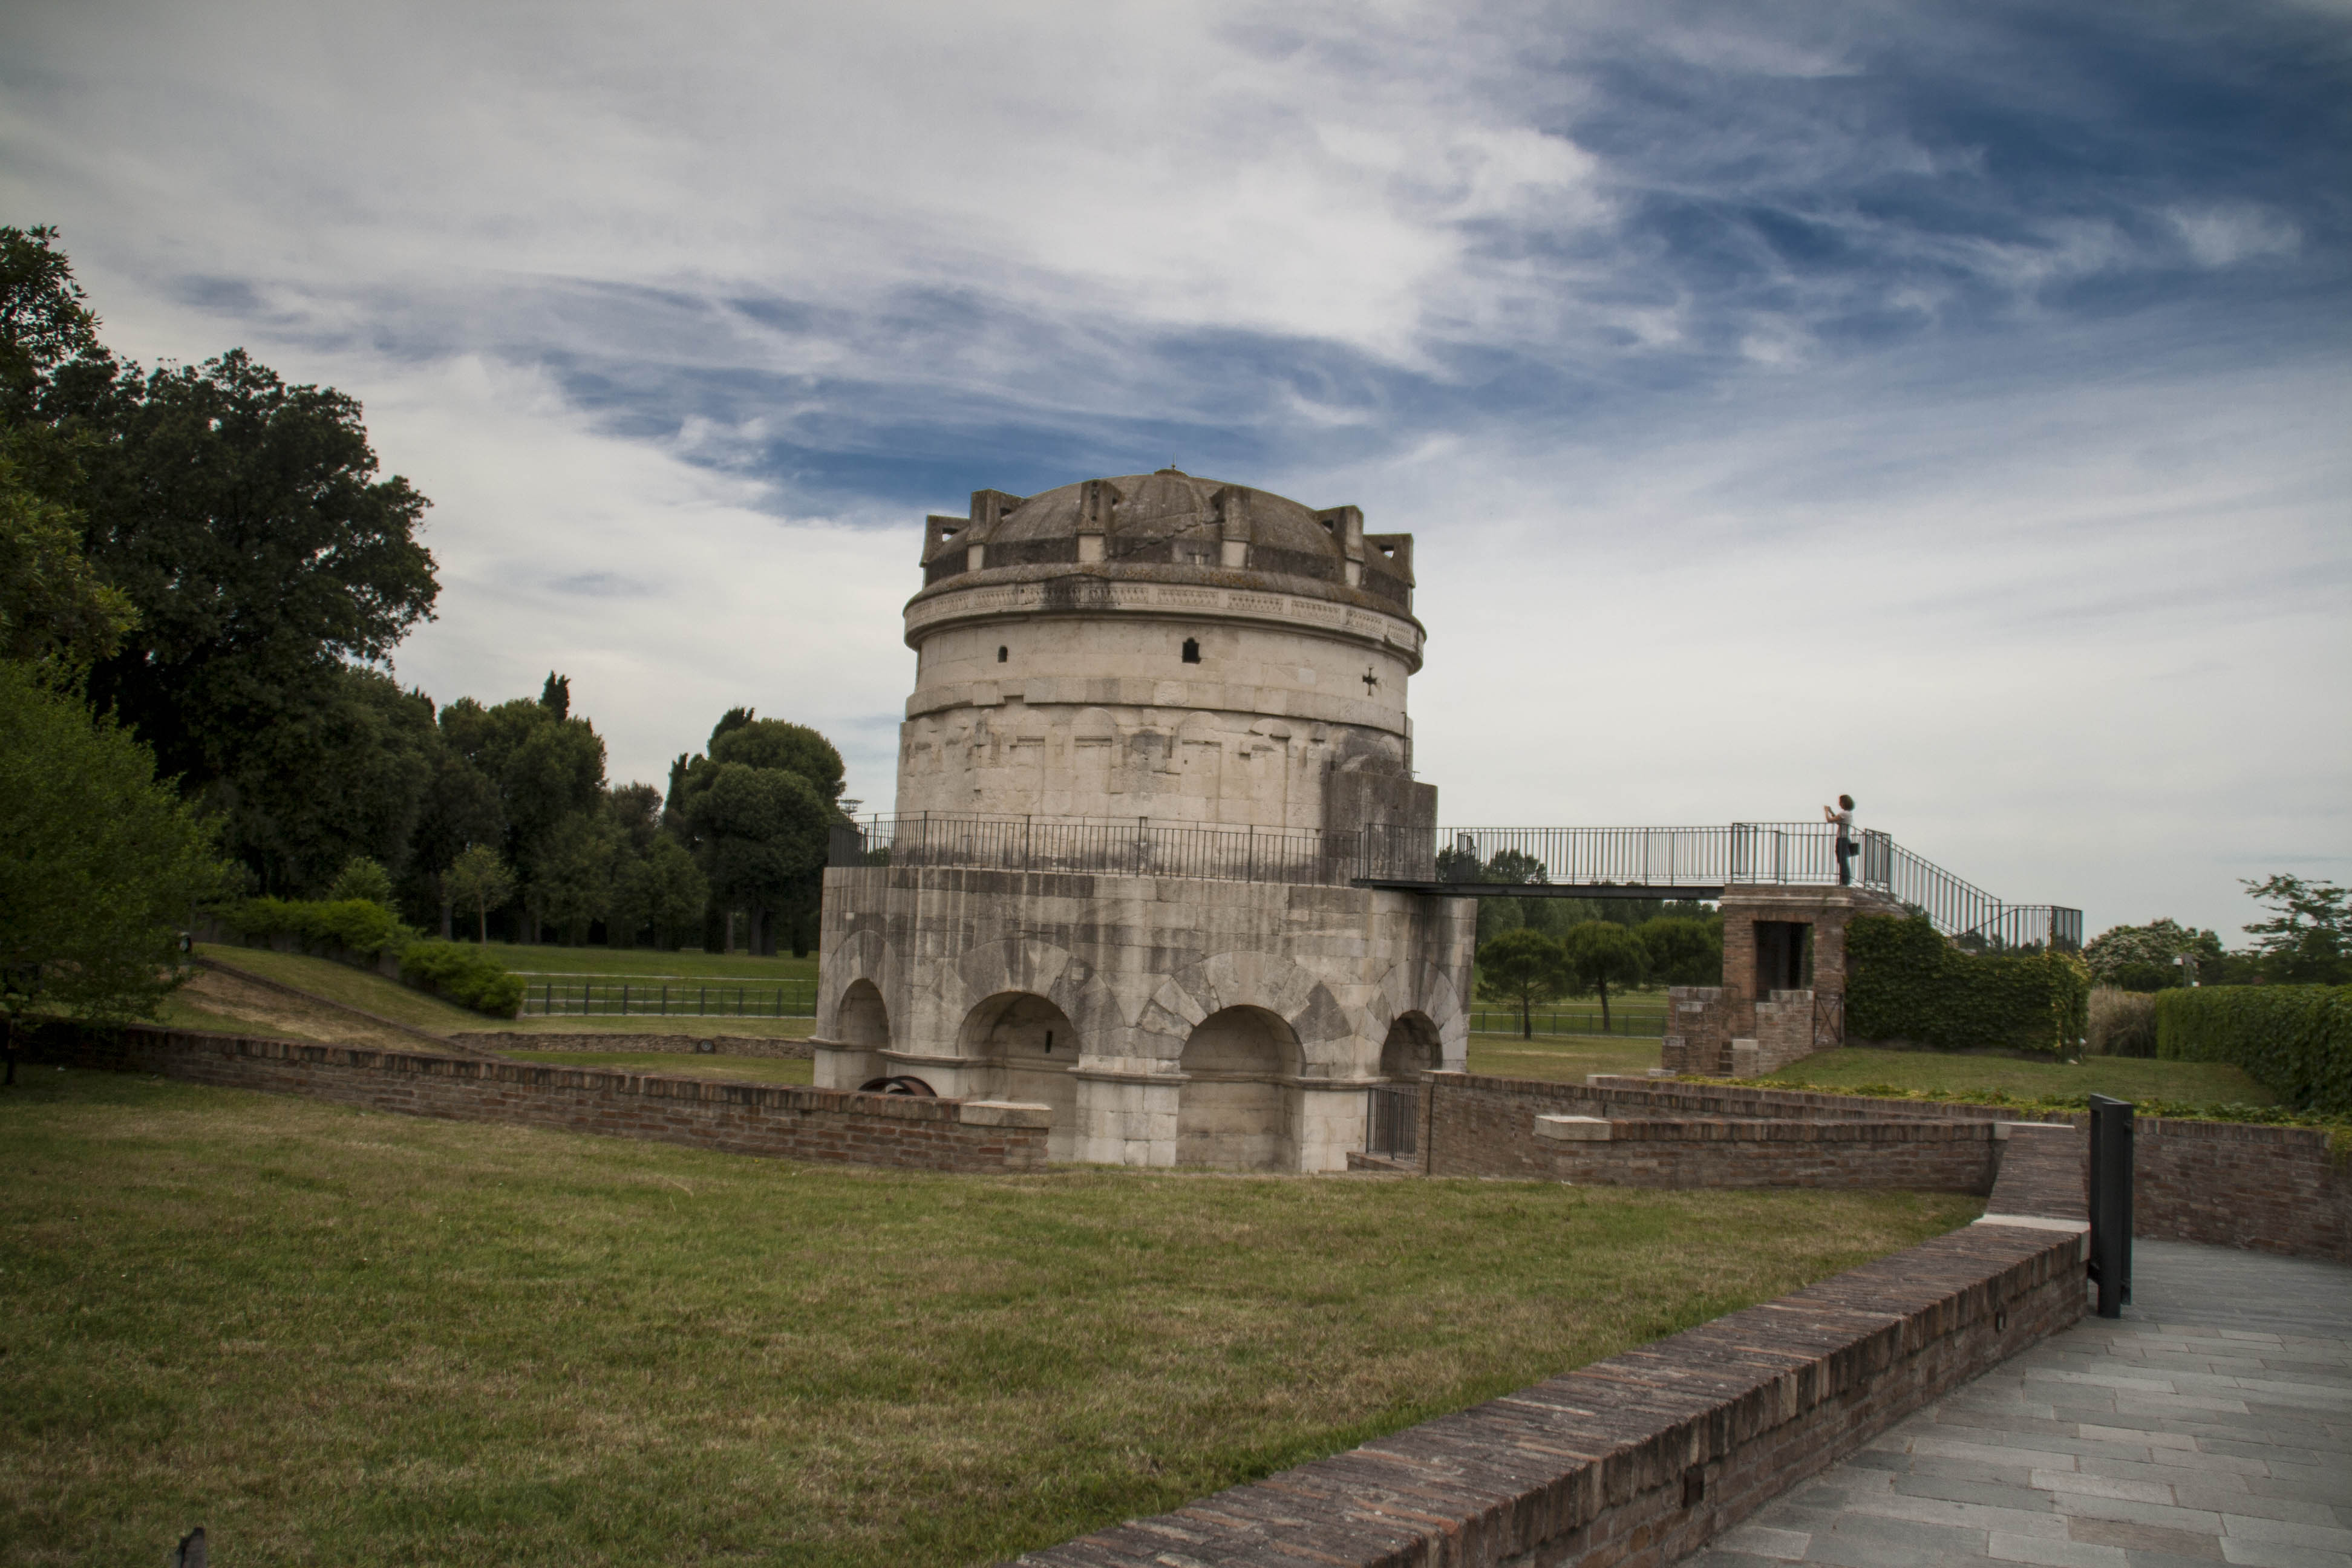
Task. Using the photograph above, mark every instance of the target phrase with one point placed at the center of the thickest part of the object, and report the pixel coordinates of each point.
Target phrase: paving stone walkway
(2212, 1424)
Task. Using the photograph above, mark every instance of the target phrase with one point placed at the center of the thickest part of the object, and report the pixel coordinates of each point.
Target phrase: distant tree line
(206, 562)
(2302, 940)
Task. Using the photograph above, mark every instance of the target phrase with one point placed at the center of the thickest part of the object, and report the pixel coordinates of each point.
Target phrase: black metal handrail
(1661, 862)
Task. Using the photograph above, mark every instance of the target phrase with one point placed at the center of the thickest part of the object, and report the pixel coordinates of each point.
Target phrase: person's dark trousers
(1845, 862)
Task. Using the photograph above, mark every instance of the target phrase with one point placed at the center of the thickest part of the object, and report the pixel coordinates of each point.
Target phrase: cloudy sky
(1944, 403)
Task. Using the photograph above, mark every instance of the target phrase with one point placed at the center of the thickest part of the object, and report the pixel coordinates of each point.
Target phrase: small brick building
(1783, 991)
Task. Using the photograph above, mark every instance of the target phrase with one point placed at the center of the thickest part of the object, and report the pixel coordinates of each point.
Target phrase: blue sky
(1942, 403)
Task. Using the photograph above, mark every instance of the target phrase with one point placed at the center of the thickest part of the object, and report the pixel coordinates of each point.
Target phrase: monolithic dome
(1153, 717)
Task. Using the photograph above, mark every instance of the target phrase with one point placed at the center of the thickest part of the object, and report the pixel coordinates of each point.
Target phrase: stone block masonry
(1644, 1456)
(778, 1121)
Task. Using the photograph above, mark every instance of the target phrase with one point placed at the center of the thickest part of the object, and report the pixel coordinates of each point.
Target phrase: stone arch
(1026, 963)
(1323, 1030)
(1412, 1048)
(1029, 1046)
(862, 1019)
(1237, 1108)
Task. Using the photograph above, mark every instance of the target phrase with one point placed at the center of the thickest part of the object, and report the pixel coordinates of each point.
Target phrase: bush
(1905, 982)
(463, 975)
(360, 925)
(2293, 1040)
(2123, 1022)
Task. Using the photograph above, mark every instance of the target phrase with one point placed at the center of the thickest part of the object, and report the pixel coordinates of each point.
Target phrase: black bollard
(2111, 1202)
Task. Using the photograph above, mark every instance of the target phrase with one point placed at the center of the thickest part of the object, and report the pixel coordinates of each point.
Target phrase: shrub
(2293, 1040)
(1905, 982)
(360, 925)
(2123, 1022)
(463, 975)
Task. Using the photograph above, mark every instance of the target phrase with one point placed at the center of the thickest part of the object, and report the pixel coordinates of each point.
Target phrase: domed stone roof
(1169, 526)
(1170, 505)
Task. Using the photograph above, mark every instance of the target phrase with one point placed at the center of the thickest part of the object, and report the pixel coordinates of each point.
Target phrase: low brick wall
(1477, 1126)
(1644, 1457)
(2268, 1189)
(781, 1122)
(682, 1044)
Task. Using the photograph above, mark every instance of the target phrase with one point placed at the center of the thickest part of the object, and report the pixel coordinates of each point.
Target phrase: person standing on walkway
(1840, 816)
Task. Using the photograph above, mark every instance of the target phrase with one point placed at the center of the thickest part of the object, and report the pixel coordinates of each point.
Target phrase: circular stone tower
(1151, 717)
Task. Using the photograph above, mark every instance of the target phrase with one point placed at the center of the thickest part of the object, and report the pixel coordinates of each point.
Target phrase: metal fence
(1660, 862)
(1636, 1023)
(667, 999)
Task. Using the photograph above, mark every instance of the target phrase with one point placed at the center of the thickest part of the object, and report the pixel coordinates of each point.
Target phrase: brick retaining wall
(1641, 1457)
(684, 1045)
(782, 1122)
(1477, 1126)
(2231, 1183)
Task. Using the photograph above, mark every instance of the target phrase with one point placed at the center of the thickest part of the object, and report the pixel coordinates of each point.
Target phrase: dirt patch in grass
(330, 1336)
(215, 999)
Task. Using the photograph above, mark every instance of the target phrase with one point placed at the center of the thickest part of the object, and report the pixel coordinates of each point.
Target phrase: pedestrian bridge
(1677, 863)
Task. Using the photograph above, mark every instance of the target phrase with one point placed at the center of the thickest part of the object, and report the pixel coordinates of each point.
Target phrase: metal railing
(672, 999)
(1639, 1022)
(1660, 862)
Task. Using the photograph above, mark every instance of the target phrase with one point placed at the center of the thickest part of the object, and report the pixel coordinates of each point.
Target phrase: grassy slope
(2126, 1077)
(623, 963)
(757, 1070)
(330, 1336)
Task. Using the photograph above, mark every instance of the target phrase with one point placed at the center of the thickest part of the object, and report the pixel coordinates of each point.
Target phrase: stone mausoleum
(1153, 717)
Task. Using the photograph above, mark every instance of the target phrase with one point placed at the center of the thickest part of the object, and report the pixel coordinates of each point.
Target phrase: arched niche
(1237, 1111)
(863, 1019)
(1410, 1049)
(1029, 1046)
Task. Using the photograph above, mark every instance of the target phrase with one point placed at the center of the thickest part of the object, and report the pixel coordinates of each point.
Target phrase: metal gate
(1393, 1120)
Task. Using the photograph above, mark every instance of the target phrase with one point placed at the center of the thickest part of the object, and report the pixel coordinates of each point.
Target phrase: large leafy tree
(2305, 940)
(1683, 951)
(1602, 953)
(794, 776)
(2146, 958)
(540, 765)
(245, 519)
(100, 865)
(1526, 969)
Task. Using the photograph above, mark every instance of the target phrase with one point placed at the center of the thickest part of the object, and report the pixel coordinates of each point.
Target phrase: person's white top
(1844, 820)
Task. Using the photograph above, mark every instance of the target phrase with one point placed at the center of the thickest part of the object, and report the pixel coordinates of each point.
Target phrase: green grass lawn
(330, 1336)
(1561, 1059)
(2126, 1077)
(352, 986)
(625, 962)
(757, 1070)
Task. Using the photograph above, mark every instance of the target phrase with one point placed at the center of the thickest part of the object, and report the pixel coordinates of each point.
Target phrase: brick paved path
(2212, 1424)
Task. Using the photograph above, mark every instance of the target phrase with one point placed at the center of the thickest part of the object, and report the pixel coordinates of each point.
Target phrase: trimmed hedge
(463, 975)
(1905, 982)
(362, 926)
(2293, 1040)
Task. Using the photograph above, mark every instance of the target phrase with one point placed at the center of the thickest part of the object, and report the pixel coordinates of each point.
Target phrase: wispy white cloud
(1937, 401)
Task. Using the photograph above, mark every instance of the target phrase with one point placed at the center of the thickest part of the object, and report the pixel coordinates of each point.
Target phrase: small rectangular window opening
(1191, 650)
(1002, 654)
(1049, 1042)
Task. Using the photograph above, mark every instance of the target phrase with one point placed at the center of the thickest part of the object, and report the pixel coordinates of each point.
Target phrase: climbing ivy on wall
(1904, 981)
